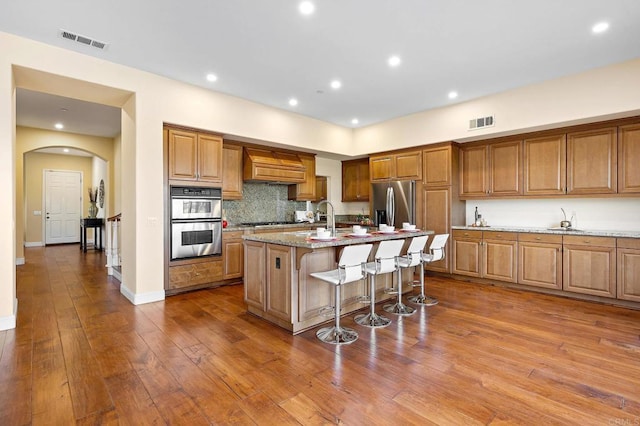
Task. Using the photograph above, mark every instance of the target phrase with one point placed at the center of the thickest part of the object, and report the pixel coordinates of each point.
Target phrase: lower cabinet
(540, 260)
(628, 269)
(279, 271)
(194, 274)
(589, 265)
(485, 254)
(255, 276)
(232, 254)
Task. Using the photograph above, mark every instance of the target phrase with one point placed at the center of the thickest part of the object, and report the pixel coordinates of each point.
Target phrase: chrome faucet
(333, 216)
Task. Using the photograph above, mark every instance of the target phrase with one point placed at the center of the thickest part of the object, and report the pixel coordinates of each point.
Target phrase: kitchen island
(279, 289)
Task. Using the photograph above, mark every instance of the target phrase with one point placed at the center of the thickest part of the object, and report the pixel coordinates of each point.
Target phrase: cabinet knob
(538, 238)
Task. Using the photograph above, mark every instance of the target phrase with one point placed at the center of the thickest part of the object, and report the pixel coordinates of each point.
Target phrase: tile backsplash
(261, 202)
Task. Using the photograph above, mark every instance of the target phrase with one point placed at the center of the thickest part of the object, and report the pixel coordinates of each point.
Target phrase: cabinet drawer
(498, 235)
(198, 273)
(586, 240)
(463, 233)
(630, 243)
(232, 235)
(540, 238)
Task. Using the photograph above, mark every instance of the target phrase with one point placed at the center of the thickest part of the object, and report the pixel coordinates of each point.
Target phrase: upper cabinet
(194, 156)
(355, 180)
(437, 166)
(629, 159)
(491, 169)
(305, 191)
(231, 171)
(321, 188)
(545, 169)
(403, 165)
(591, 162)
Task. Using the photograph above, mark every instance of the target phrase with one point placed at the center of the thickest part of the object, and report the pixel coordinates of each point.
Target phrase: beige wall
(149, 100)
(34, 165)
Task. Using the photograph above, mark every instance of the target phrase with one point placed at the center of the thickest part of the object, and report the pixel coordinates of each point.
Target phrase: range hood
(263, 165)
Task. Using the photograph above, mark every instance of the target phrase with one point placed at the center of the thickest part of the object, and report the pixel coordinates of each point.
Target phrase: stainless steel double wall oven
(196, 222)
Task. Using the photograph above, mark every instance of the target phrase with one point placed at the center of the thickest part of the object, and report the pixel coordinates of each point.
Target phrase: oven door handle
(207, 220)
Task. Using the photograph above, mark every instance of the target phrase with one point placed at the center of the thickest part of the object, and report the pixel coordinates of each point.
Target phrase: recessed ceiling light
(306, 8)
(293, 102)
(394, 61)
(65, 149)
(212, 77)
(59, 126)
(336, 84)
(600, 27)
(355, 121)
(453, 94)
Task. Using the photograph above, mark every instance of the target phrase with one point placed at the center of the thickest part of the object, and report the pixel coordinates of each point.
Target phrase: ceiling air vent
(479, 123)
(88, 41)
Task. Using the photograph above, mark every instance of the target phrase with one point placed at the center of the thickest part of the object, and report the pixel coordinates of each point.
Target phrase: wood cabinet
(321, 188)
(305, 191)
(500, 256)
(232, 255)
(439, 206)
(545, 168)
(629, 159)
(194, 156)
(255, 274)
(491, 170)
(194, 275)
(589, 265)
(491, 255)
(540, 260)
(402, 165)
(279, 272)
(628, 269)
(355, 180)
(592, 162)
(231, 171)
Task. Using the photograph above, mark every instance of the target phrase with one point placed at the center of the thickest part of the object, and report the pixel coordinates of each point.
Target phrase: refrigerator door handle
(391, 206)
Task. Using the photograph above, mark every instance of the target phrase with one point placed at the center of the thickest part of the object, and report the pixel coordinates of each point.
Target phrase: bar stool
(385, 263)
(350, 269)
(436, 253)
(412, 258)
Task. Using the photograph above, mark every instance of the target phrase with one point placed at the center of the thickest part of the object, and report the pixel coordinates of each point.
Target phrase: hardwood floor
(485, 355)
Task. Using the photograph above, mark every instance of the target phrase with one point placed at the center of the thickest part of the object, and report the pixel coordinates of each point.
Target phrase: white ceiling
(266, 51)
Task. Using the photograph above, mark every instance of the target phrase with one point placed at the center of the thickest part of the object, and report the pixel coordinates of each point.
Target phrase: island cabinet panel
(592, 162)
(255, 274)
(628, 269)
(540, 260)
(589, 265)
(315, 295)
(279, 275)
(545, 168)
(629, 159)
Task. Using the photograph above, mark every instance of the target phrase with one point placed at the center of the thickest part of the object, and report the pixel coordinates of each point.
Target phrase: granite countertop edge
(534, 230)
(300, 238)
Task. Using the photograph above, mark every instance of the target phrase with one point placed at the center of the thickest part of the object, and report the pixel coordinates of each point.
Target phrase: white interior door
(63, 208)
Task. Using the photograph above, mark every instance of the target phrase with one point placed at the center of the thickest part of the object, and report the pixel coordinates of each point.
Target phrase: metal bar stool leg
(335, 334)
(399, 308)
(422, 299)
(372, 319)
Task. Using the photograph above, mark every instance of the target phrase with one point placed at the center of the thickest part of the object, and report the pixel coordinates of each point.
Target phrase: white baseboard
(19, 261)
(33, 244)
(139, 299)
(9, 322)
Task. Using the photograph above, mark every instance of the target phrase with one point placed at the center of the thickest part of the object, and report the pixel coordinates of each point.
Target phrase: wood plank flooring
(81, 353)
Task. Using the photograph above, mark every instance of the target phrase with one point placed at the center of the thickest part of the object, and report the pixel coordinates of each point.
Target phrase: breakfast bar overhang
(279, 289)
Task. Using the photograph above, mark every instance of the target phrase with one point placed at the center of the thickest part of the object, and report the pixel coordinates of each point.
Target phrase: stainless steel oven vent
(78, 38)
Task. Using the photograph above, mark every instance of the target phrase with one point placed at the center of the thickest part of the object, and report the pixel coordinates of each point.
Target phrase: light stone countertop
(282, 227)
(304, 238)
(578, 232)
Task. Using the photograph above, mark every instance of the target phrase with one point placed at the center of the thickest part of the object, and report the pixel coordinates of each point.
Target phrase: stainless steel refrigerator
(393, 202)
